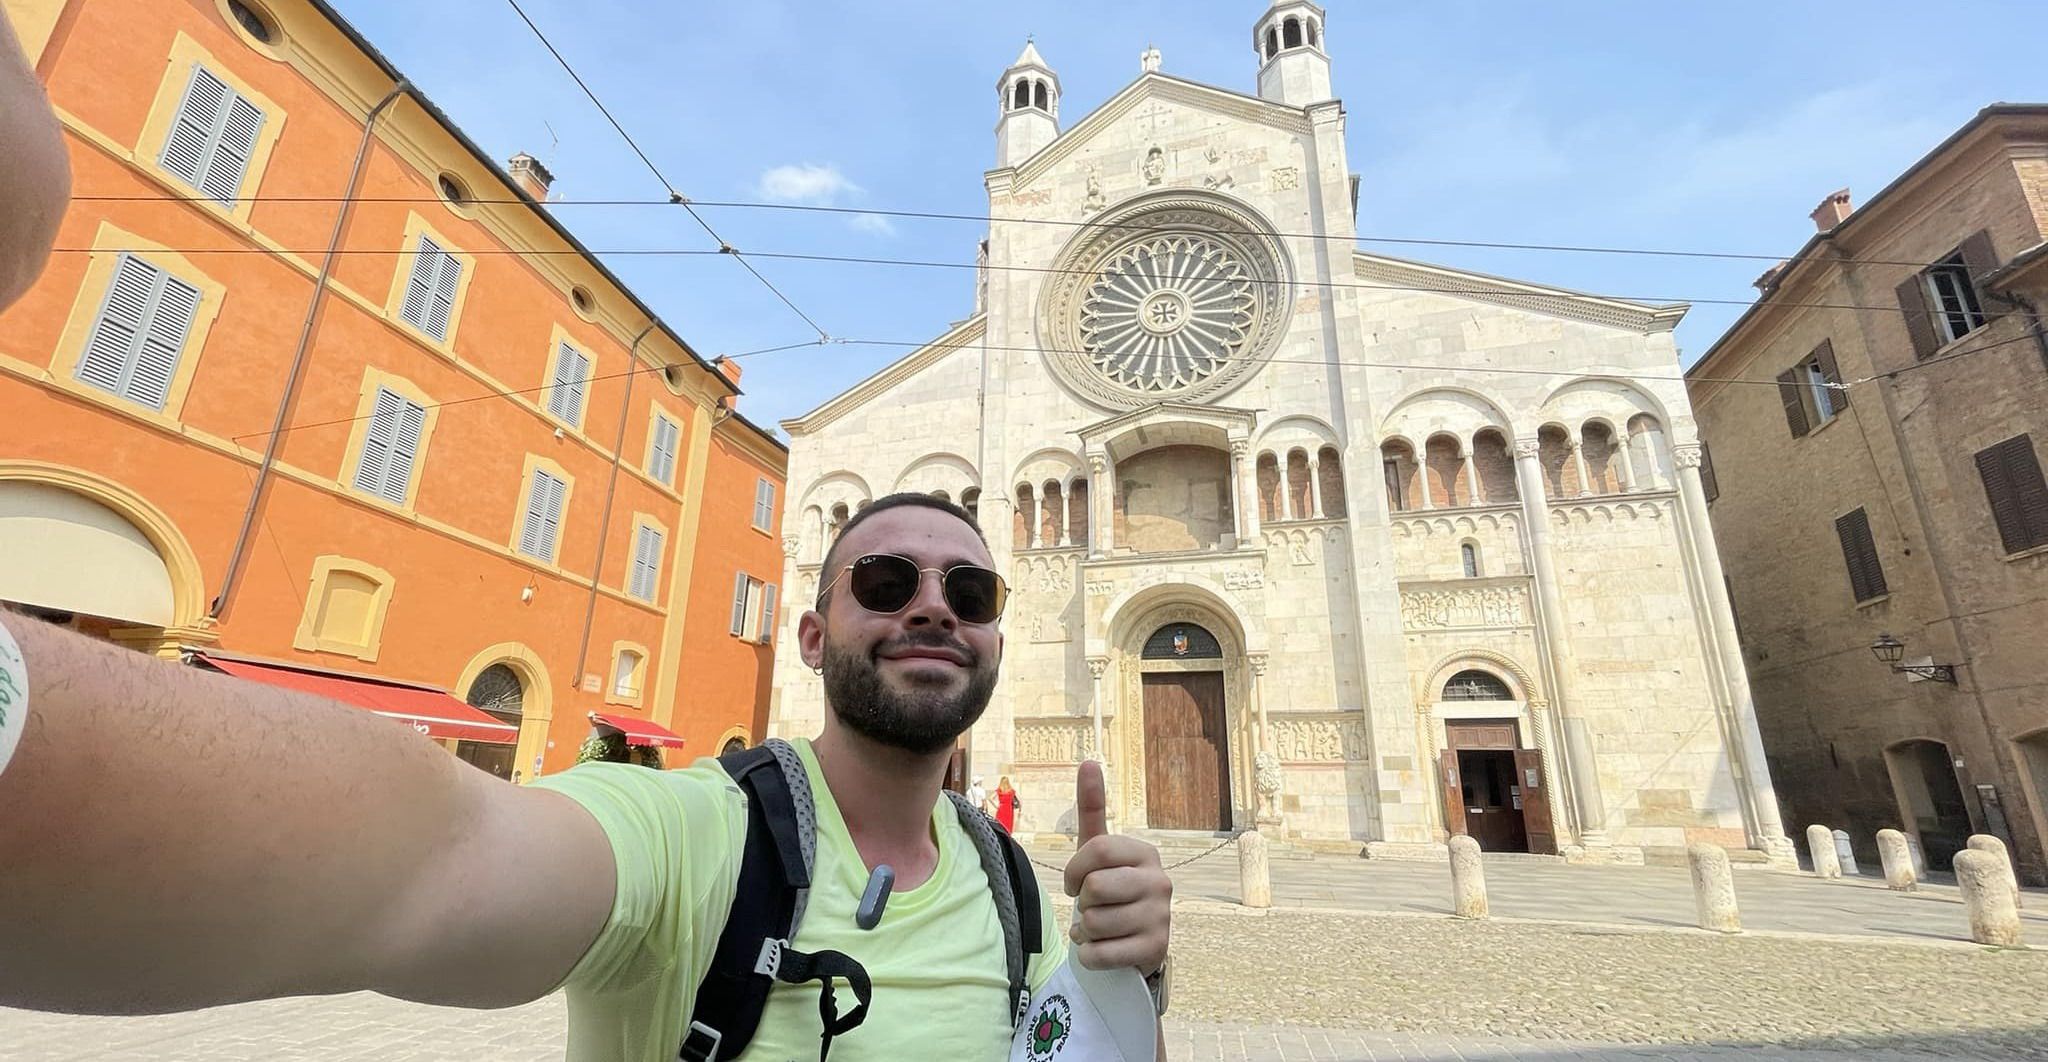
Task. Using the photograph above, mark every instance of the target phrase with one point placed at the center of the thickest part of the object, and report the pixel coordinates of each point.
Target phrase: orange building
(315, 393)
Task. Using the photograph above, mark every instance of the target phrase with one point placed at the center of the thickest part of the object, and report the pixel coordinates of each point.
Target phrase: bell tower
(1293, 67)
(1028, 102)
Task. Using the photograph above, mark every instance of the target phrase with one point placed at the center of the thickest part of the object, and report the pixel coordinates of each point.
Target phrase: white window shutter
(405, 445)
(104, 364)
(447, 278)
(419, 289)
(141, 330)
(163, 339)
(236, 143)
(543, 516)
(768, 614)
(739, 602)
(557, 489)
(565, 398)
(662, 463)
(195, 129)
(764, 504)
(374, 467)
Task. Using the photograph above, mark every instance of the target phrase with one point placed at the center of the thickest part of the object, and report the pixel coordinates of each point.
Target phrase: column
(1579, 457)
(1096, 666)
(1244, 494)
(1422, 479)
(1264, 734)
(1621, 461)
(1581, 770)
(1315, 490)
(1102, 502)
(1756, 773)
(1266, 782)
(1472, 491)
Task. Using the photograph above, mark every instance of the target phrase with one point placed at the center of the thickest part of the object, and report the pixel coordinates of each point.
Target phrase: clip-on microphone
(875, 897)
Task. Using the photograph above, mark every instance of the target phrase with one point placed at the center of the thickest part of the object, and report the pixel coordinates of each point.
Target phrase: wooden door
(1453, 792)
(1535, 798)
(1186, 751)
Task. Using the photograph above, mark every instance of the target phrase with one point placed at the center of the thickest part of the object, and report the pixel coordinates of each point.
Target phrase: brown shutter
(2018, 496)
(1708, 484)
(1788, 393)
(1859, 554)
(1913, 304)
(1824, 355)
(1978, 254)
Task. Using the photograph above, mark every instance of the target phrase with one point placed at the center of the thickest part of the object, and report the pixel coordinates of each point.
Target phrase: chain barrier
(1173, 866)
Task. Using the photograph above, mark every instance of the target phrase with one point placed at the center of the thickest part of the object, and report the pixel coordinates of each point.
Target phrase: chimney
(1832, 211)
(531, 177)
(729, 369)
(1769, 279)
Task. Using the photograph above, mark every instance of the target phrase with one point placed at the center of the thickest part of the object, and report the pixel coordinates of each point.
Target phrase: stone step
(1673, 856)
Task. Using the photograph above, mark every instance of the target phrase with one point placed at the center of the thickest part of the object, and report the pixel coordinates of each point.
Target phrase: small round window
(253, 22)
(452, 190)
(580, 296)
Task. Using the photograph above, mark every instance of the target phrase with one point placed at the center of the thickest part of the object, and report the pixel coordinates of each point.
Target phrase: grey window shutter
(163, 338)
(374, 467)
(646, 562)
(419, 289)
(447, 276)
(543, 516)
(739, 602)
(1859, 553)
(195, 129)
(135, 343)
(557, 490)
(565, 400)
(405, 445)
(242, 123)
(1912, 293)
(662, 466)
(1824, 356)
(1788, 393)
(768, 614)
(1708, 484)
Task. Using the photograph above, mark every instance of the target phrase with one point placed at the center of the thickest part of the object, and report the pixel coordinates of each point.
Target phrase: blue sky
(1711, 126)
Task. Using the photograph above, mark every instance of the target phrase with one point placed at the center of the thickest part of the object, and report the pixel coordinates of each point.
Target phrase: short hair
(900, 500)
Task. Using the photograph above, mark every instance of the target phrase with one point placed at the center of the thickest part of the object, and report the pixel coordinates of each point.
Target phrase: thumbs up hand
(1122, 897)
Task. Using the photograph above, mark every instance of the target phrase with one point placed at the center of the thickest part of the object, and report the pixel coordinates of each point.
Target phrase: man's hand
(1122, 897)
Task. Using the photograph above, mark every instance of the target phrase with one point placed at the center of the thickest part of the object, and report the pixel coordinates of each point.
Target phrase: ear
(810, 639)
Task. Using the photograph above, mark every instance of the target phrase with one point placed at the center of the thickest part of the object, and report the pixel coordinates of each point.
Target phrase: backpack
(754, 950)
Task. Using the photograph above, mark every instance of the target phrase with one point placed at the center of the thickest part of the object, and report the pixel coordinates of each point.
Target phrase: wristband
(13, 695)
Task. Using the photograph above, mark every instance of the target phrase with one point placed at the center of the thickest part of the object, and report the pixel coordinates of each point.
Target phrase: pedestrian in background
(977, 795)
(1007, 803)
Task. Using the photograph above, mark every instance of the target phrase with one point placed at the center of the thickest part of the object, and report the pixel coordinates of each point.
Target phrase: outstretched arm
(35, 179)
(173, 839)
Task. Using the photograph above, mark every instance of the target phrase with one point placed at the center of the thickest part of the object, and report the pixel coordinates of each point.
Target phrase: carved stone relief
(1250, 579)
(1320, 739)
(1052, 741)
(1286, 179)
(1466, 607)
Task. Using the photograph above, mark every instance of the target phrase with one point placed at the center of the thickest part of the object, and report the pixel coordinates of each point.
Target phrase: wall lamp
(1889, 650)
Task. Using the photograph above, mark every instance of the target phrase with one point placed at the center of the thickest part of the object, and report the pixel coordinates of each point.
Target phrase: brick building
(500, 478)
(1892, 484)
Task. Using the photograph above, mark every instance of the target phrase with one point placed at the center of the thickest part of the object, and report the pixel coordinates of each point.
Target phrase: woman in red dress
(1006, 804)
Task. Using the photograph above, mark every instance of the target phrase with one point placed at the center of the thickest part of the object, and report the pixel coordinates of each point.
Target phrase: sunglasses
(885, 584)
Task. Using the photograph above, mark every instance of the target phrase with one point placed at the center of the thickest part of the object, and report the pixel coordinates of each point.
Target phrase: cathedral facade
(1338, 546)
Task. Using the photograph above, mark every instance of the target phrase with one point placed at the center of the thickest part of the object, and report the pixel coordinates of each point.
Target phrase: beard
(921, 720)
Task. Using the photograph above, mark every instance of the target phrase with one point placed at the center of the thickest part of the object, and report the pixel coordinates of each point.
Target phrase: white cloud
(807, 183)
(876, 224)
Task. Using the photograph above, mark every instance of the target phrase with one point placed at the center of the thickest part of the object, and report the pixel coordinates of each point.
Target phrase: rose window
(1167, 313)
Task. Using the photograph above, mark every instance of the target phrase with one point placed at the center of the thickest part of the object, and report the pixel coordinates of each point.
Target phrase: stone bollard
(1898, 861)
(1254, 872)
(1988, 899)
(1713, 888)
(1845, 851)
(1468, 878)
(1984, 842)
(1820, 841)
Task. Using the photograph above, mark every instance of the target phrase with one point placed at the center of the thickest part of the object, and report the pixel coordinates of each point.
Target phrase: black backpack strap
(1015, 891)
(754, 949)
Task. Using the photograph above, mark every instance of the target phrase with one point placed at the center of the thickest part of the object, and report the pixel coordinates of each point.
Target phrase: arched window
(1496, 467)
(1038, 95)
(1448, 488)
(498, 691)
(1292, 33)
(1397, 463)
(970, 500)
(839, 518)
(1554, 452)
(1311, 26)
(942, 495)
(1270, 508)
(1476, 685)
(1182, 641)
(732, 745)
(1330, 481)
(1023, 96)
(1272, 42)
(1300, 499)
(1598, 441)
(1052, 507)
(1077, 513)
(1647, 455)
(1468, 553)
(1026, 517)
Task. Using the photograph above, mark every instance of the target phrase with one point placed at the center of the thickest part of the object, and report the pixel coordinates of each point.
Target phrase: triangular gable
(962, 334)
(1400, 274)
(1169, 89)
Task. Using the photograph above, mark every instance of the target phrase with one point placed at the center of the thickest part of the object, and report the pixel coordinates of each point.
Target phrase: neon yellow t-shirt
(937, 958)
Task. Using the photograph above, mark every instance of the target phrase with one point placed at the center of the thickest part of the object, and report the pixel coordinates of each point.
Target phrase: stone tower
(1293, 67)
(1028, 100)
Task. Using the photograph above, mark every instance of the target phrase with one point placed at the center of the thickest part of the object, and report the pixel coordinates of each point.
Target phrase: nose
(929, 608)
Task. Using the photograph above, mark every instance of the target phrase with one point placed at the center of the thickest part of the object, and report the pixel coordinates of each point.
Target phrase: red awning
(429, 711)
(638, 731)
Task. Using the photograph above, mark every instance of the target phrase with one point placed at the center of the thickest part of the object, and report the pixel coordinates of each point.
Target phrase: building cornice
(960, 335)
(1401, 274)
(1163, 87)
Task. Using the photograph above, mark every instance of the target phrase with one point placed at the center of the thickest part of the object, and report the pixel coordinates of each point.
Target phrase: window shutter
(141, 330)
(163, 338)
(543, 516)
(661, 463)
(405, 445)
(556, 491)
(1824, 356)
(764, 504)
(446, 279)
(646, 562)
(1859, 553)
(1919, 324)
(739, 602)
(1708, 484)
(1978, 254)
(230, 163)
(187, 149)
(1788, 393)
(565, 399)
(104, 364)
(2018, 497)
(768, 614)
(373, 467)
(419, 290)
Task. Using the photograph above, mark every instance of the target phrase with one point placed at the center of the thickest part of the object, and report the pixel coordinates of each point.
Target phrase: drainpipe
(240, 554)
(611, 488)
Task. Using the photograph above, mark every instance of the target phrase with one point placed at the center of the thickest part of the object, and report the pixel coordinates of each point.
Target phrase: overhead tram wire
(674, 196)
(933, 215)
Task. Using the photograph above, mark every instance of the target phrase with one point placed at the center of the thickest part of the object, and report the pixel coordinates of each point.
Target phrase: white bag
(1084, 1015)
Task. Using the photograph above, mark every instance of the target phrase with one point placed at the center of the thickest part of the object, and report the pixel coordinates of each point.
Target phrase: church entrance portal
(1187, 752)
(1494, 789)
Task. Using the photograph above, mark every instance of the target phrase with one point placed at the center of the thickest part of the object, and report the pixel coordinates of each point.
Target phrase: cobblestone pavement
(1288, 986)
(1645, 896)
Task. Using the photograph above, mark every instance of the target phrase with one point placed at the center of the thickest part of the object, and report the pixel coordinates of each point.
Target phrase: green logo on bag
(1049, 1030)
